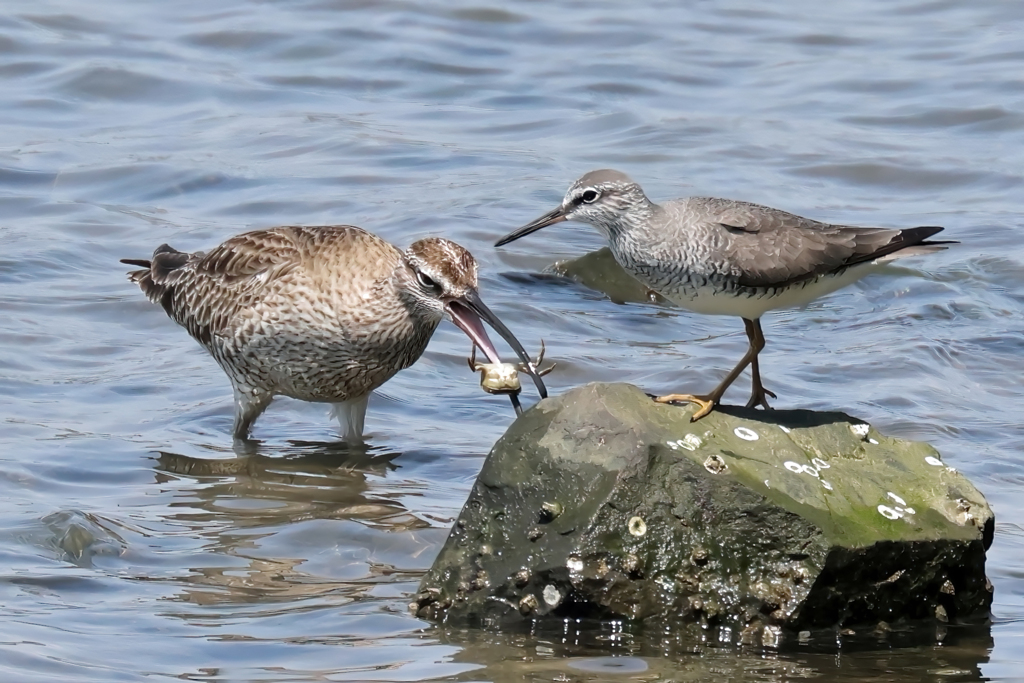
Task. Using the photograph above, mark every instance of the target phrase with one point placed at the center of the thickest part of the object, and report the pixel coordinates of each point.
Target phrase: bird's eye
(426, 283)
(590, 196)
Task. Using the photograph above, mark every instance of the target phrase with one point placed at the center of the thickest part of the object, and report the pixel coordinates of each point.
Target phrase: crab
(503, 378)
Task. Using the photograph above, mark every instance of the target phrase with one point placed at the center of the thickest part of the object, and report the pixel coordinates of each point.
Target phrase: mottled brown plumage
(324, 314)
(727, 257)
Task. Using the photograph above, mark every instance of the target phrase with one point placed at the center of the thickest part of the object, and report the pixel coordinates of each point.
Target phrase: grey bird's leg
(351, 415)
(707, 402)
(758, 394)
(249, 405)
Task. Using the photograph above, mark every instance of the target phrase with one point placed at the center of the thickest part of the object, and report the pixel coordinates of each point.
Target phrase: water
(136, 545)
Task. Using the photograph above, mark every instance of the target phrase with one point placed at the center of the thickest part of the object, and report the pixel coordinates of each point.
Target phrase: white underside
(708, 301)
(351, 416)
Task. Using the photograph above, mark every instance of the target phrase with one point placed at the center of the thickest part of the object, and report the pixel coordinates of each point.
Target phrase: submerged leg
(708, 402)
(758, 394)
(351, 415)
(249, 405)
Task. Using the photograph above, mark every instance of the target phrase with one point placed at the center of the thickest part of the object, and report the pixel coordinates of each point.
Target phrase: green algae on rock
(600, 502)
(599, 271)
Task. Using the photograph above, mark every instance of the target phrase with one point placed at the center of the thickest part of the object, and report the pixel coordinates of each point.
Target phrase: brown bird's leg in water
(249, 405)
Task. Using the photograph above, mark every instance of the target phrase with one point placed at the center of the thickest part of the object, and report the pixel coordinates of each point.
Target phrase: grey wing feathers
(773, 248)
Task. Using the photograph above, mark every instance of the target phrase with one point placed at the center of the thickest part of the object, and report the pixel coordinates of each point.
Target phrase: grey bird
(727, 257)
(324, 314)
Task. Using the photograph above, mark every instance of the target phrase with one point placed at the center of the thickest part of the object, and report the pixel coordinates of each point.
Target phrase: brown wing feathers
(201, 291)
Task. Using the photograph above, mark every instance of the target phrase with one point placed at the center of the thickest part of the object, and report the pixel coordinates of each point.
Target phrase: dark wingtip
(165, 249)
(918, 237)
(920, 233)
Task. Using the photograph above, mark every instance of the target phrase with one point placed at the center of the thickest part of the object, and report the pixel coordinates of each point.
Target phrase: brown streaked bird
(727, 257)
(324, 314)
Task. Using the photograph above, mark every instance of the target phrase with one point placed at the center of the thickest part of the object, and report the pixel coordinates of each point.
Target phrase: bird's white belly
(752, 304)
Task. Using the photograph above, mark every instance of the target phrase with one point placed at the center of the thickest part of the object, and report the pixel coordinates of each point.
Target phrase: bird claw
(503, 378)
(760, 398)
(705, 403)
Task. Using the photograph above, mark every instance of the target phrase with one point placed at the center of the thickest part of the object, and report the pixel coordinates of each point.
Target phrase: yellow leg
(707, 403)
(758, 394)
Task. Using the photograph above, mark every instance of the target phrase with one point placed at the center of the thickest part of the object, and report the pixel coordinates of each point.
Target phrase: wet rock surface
(81, 537)
(602, 503)
(599, 271)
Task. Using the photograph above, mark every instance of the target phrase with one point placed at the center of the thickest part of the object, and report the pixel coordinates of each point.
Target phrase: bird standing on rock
(726, 257)
(324, 314)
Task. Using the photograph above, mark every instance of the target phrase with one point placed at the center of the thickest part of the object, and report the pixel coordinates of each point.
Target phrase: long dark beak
(550, 218)
(469, 313)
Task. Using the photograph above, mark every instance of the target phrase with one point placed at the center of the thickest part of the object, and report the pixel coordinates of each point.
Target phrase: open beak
(550, 218)
(469, 313)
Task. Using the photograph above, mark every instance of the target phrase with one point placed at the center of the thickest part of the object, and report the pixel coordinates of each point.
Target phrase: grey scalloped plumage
(727, 257)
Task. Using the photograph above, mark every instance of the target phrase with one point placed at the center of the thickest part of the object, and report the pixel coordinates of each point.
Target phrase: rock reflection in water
(565, 651)
(259, 505)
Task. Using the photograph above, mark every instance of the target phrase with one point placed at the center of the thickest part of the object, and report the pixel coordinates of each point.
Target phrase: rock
(602, 503)
(599, 271)
(82, 537)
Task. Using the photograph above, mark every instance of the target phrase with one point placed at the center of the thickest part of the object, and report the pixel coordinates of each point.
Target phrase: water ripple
(132, 524)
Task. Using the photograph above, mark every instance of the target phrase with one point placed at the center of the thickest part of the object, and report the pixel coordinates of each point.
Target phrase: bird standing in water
(726, 257)
(324, 314)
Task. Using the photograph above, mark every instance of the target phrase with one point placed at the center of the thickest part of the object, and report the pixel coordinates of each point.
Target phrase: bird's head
(441, 277)
(605, 199)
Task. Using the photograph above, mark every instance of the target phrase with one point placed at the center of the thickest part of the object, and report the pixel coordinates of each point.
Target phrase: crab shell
(499, 378)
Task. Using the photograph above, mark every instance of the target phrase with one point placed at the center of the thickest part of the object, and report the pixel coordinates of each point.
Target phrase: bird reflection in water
(250, 509)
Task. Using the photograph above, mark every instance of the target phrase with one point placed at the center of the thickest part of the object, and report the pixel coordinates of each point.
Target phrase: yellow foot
(760, 398)
(706, 403)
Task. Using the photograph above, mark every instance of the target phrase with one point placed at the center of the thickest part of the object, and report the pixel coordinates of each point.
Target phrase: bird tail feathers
(920, 249)
(160, 272)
